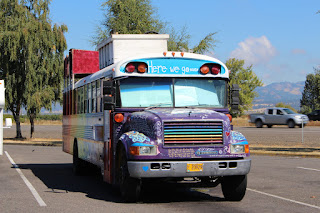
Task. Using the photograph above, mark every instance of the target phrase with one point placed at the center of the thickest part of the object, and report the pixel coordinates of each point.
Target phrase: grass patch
(49, 119)
(242, 121)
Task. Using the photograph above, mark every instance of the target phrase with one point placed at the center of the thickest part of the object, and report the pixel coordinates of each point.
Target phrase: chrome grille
(193, 133)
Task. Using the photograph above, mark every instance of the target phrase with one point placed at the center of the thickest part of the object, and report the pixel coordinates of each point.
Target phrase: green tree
(247, 80)
(180, 41)
(128, 17)
(139, 17)
(311, 94)
(31, 57)
(283, 105)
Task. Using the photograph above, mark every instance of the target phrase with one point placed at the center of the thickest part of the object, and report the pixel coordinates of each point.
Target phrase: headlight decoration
(143, 149)
(239, 148)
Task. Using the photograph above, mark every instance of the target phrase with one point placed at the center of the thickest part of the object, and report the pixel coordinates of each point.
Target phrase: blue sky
(281, 39)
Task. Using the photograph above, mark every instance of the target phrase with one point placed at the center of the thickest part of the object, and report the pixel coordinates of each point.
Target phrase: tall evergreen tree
(247, 81)
(139, 17)
(31, 57)
(311, 94)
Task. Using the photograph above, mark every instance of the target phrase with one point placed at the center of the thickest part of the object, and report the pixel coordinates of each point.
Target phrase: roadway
(40, 179)
(282, 136)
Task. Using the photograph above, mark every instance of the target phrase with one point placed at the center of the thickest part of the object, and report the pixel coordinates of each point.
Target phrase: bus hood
(169, 114)
(150, 121)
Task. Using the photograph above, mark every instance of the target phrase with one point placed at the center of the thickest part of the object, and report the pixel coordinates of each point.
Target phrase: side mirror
(108, 95)
(108, 102)
(235, 97)
(108, 88)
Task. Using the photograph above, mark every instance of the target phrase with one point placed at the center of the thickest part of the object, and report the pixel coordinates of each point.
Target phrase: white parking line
(308, 169)
(32, 189)
(286, 199)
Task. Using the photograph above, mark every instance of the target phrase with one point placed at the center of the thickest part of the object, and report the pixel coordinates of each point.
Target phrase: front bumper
(146, 169)
(299, 121)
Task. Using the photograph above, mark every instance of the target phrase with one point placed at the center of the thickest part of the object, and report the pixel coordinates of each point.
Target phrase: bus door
(108, 105)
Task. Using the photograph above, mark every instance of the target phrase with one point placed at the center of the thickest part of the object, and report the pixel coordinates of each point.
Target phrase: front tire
(259, 124)
(291, 124)
(234, 187)
(130, 188)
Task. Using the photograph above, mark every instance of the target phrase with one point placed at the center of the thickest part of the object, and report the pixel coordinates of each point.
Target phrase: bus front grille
(193, 133)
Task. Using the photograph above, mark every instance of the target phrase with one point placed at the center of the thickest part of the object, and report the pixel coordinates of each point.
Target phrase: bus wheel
(234, 187)
(79, 165)
(130, 188)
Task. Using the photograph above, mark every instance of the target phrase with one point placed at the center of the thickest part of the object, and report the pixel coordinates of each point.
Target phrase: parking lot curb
(34, 142)
(286, 151)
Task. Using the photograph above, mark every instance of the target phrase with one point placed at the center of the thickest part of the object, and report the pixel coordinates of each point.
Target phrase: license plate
(194, 167)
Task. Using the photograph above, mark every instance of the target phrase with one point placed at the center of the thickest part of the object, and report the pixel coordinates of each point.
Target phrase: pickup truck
(278, 116)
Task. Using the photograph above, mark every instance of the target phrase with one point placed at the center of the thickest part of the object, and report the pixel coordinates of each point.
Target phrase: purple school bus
(157, 117)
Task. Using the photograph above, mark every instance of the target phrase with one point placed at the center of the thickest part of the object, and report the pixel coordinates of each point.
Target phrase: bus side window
(98, 96)
(89, 98)
(67, 102)
(75, 102)
(101, 95)
(93, 97)
(64, 103)
(78, 101)
(72, 103)
(81, 99)
(85, 99)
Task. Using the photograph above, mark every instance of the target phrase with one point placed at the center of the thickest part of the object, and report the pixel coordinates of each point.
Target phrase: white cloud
(254, 50)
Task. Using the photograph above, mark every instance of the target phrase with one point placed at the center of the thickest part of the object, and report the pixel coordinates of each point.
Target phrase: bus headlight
(143, 150)
(239, 148)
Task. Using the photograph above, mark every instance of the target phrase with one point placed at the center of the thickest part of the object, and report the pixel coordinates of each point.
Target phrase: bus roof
(167, 64)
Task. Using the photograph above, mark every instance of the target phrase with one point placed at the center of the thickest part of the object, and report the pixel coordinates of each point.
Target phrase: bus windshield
(173, 92)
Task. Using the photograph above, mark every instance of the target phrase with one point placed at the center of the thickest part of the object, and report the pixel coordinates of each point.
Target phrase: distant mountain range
(269, 95)
(286, 92)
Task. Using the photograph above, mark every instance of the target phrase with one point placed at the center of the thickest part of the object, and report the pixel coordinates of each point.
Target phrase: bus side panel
(107, 147)
(67, 137)
(87, 129)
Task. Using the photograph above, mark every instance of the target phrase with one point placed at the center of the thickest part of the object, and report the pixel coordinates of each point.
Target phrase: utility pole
(2, 104)
(8, 120)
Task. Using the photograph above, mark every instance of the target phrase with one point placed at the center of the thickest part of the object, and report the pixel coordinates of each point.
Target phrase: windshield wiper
(157, 105)
(193, 106)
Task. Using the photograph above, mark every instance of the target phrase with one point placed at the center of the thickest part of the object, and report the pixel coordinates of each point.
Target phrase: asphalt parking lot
(275, 184)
